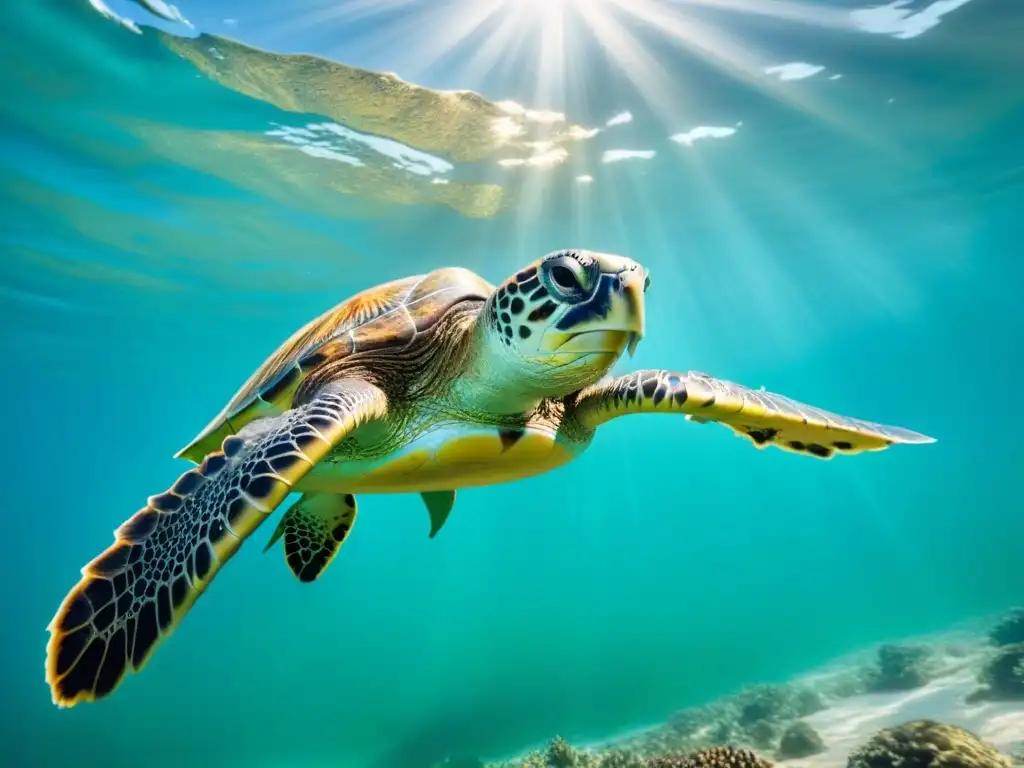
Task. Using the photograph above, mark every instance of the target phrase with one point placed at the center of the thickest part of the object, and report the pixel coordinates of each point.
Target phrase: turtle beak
(635, 297)
(626, 311)
(634, 341)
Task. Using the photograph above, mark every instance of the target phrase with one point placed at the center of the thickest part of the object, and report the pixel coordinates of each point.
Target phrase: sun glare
(554, 53)
(543, 37)
(550, 54)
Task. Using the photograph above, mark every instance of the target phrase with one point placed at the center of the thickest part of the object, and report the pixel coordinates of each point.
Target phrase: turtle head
(562, 322)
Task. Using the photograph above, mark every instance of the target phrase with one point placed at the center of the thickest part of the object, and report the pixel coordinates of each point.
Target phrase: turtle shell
(388, 315)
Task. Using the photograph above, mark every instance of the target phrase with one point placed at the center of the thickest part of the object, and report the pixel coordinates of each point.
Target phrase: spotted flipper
(439, 505)
(762, 417)
(166, 555)
(314, 528)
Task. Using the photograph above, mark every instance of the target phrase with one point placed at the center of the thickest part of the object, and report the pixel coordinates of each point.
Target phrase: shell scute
(388, 315)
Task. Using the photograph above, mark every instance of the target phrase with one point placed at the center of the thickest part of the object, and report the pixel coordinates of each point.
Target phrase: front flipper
(166, 555)
(314, 528)
(763, 417)
(439, 504)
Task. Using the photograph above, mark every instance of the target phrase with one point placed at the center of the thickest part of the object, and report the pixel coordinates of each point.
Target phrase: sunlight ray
(804, 13)
(632, 60)
(506, 37)
(761, 283)
(873, 274)
(556, 56)
(442, 31)
(550, 85)
(287, 24)
(739, 60)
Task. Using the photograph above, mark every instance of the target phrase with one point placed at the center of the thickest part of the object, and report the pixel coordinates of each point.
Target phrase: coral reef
(926, 744)
(780, 702)
(621, 758)
(769, 719)
(1003, 675)
(902, 668)
(767, 702)
(1010, 630)
(757, 716)
(686, 722)
(762, 734)
(800, 740)
(808, 701)
(754, 718)
(715, 757)
(560, 754)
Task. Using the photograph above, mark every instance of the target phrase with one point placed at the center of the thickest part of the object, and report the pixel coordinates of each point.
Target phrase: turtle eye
(564, 278)
(568, 279)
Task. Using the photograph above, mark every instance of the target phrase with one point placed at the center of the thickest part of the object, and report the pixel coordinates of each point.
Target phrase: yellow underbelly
(446, 458)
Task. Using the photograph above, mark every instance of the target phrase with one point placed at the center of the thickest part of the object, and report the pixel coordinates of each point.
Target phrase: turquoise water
(852, 243)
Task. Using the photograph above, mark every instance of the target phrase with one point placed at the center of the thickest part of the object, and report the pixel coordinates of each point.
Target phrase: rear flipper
(165, 556)
(439, 505)
(314, 528)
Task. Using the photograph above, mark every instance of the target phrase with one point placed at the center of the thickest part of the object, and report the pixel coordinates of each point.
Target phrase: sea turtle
(421, 385)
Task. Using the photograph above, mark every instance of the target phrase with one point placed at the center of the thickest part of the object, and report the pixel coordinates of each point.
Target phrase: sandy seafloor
(852, 712)
(850, 723)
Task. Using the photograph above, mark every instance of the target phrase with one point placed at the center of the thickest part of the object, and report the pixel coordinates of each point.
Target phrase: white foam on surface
(331, 141)
(544, 116)
(794, 70)
(618, 155)
(704, 132)
(898, 19)
(620, 119)
(164, 11)
(100, 7)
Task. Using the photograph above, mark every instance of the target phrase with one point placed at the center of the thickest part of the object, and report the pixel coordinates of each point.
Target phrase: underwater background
(828, 208)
